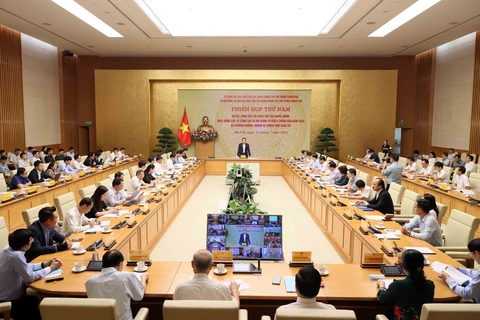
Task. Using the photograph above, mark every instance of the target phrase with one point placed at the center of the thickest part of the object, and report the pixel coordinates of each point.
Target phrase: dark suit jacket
(243, 239)
(240, 150)
(89, 162)
(39, 246)
(33, 176)
(375, 158)
(382, 203)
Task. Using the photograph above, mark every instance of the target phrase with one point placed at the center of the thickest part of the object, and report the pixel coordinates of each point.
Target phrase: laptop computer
(57, 178)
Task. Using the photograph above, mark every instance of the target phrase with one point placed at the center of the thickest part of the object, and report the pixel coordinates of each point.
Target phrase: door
(83, 140)
(406, 147)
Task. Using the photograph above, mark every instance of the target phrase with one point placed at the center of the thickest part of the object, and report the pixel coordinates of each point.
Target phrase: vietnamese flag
(184, 130)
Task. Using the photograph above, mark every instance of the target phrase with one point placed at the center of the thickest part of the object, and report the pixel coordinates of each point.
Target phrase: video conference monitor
(247, 236)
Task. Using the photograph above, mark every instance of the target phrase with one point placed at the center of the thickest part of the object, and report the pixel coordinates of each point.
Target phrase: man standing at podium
(243, 149)
(244, 238)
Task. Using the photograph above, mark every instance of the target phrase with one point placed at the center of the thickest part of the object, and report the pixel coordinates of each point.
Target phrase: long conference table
(452, 199)
(347, 286)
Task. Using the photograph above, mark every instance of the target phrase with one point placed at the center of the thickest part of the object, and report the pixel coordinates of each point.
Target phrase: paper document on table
(379, 218)
(457, 276)
(467, 192)
(438, 266)
(424, 250)
(138, 275)
(387, 283)
(393, 231)
(242, 285)
(289, 283)
(104, 223)
(388, 236)
(114, 215)
(75, 245)
(54, 273)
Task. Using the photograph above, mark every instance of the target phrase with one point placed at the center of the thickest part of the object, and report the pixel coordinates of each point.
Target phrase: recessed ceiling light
(301, 46)
(46, 24)
(106, 12)
(87, 17)
(406, 15)
(405, 46)
(120, 23)
(454, 22)
(340, 46)
(91, 46)
(270, 17)
(149, 46)
(371, 22)
(385, 11)
(188, 46)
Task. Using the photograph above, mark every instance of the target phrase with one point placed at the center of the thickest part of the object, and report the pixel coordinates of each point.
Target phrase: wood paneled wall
(425, 81)
(12, 122)
(68, 100)
(475, 121)
(405, 65)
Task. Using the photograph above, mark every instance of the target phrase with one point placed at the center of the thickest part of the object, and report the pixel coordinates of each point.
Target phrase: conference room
(190, 157)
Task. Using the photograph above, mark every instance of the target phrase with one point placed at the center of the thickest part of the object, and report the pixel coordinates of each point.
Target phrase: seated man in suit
(373, 156)
(382, 200)
(20, 180)
(244, 239)
(89, 160)
(43, 233)
(307, 285)
(201, 287)
(60, 155)
(112, 283)
(36, 175)
(243, 149)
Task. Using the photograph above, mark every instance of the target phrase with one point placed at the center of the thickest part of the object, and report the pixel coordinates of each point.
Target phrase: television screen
(247, 236)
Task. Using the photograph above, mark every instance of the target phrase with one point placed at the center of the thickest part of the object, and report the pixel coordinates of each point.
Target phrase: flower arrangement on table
(205, 136)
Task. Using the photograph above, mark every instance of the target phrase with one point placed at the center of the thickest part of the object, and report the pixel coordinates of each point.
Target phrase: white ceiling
(141, 37)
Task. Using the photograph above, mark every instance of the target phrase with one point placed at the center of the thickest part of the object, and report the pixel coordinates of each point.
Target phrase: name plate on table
(109, 241)
(139, 255)
(51, 183)
(120, 161)
(243, 156)
(113, 163)
(104, 166)
(131, 221)
(82, 173)
(69, 177)
(372, 260)
(93, 170)
(32, 189)
(222, 256)
(301, 256)
(430, 181)
(7, 196)
(364, 227)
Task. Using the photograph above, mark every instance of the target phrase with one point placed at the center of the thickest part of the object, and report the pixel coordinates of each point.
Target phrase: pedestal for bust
(205, 149)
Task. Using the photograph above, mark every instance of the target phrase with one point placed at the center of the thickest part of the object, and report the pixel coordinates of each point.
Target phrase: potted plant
(325, 138)
(166, 141)
(245, 207)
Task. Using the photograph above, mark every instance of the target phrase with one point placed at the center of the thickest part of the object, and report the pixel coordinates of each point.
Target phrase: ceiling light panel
(403, 17)
(87, 17)
(216, 18)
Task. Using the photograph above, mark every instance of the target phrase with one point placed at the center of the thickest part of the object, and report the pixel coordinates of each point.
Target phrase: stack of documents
(457, 276)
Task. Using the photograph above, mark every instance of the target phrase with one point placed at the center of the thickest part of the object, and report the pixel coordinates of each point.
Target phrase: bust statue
(205, 126)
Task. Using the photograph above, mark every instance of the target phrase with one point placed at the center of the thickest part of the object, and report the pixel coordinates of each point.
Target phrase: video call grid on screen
(247, 236)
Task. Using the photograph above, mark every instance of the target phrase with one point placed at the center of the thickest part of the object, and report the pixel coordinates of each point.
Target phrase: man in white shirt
(323, 164)
(23, 163)
(440, 174)
(201, 287)
(15, 272)
(71, 152)
(65, 167)
(29, 153)
(170, 164)
(412, 166)
(15, 157)
(35, 157)
(427, 170)
(137, 182)
(367, 156)
(446, 162)
(307, 285)
(158, 166)
(451, 154)
(363, 192)
(114, 155)
(461, 180)
(112, 283)
(430, 230)
(332, 173)
(75, 220)
(121, 154)
(116, 194)
(469, 164)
